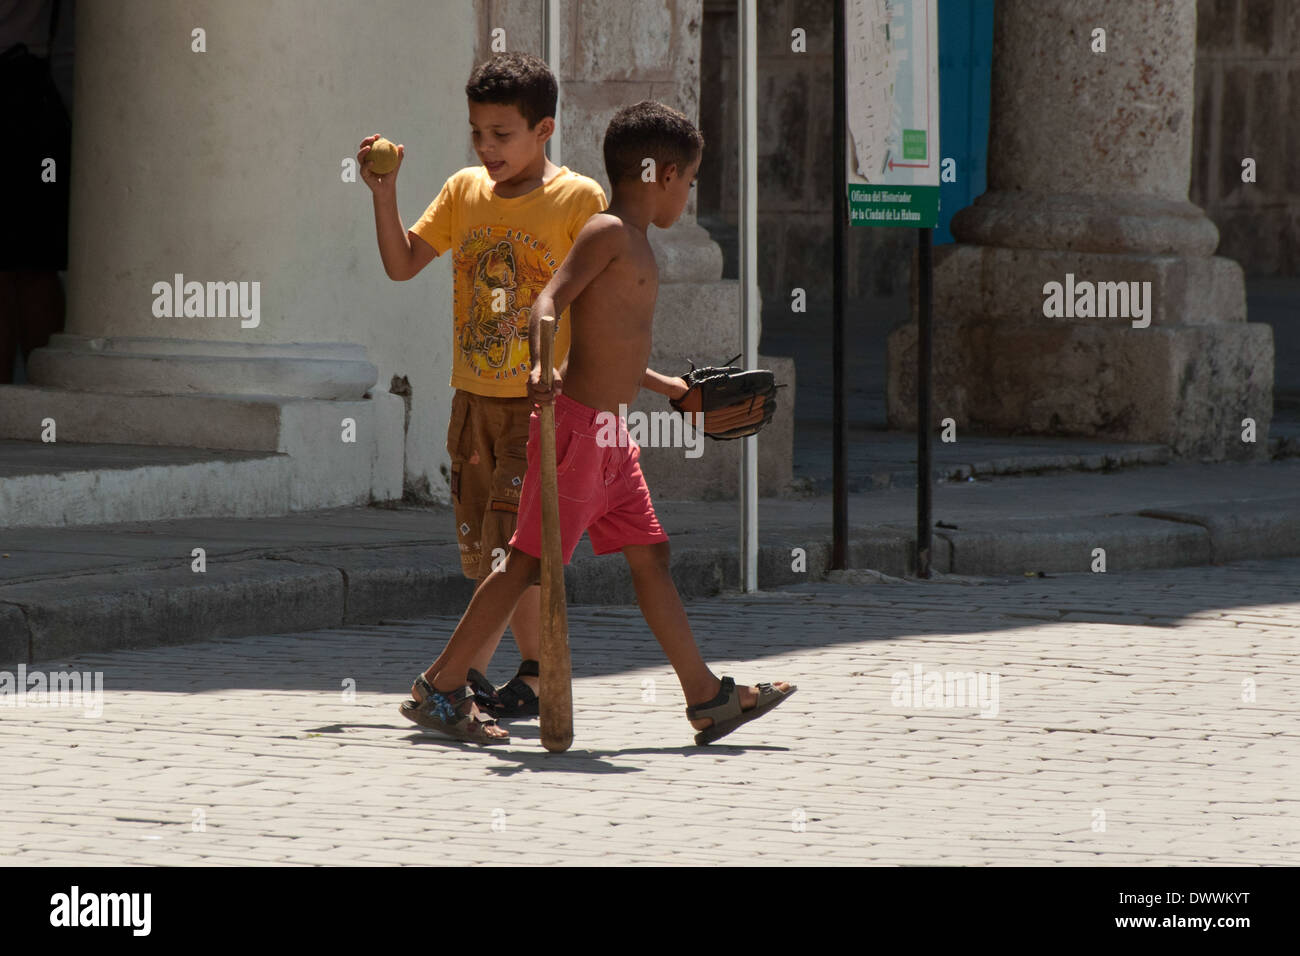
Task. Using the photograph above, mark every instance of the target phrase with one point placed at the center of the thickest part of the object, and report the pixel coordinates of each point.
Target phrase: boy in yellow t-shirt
(510, 223)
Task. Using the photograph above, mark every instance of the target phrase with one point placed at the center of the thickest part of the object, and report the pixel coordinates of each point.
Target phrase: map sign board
(892, 106)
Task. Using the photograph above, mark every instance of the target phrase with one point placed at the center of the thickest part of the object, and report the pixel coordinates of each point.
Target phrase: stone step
(64, 483)
(160, 366)
(123, 457)
(185, 421)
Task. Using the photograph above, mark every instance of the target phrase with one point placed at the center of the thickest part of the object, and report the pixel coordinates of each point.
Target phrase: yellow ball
(382, 157)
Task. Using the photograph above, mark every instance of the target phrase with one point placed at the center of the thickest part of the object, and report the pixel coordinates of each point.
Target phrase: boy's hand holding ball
(378, 158)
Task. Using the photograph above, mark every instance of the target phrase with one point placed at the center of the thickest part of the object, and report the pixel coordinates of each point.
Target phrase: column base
(1186, 380)
(1003, 284)
(1187, 387)
(334, 371)
(1087, 222)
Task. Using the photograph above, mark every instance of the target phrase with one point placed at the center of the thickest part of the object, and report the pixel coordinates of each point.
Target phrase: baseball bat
(556, 690)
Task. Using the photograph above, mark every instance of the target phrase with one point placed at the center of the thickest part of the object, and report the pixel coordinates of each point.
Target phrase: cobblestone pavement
(1126, 730)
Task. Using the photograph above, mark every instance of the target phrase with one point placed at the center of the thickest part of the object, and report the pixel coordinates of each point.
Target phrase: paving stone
(1144, 721)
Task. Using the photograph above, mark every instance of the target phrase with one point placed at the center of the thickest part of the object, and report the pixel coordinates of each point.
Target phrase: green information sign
(892, 101)
(915, 206)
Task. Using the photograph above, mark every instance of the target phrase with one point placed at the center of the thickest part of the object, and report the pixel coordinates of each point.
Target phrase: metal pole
(840, 215)
(551, 54)
(749, 297)
(924, 472)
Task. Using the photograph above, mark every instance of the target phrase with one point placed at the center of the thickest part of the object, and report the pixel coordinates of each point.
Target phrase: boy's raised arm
(403, 253)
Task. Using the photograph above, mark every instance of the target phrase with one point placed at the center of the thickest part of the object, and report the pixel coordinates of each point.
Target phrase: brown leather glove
(736, 402)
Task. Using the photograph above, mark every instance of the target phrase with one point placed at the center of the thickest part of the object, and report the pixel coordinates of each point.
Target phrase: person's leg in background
(34, 190)
(510, 463)
(471, 483)
(40, 303)
(31, 310)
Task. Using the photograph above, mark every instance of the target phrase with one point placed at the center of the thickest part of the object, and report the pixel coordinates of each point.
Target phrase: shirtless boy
(611, 280)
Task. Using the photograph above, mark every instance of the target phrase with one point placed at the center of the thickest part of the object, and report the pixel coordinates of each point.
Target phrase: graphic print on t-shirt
(499, 272)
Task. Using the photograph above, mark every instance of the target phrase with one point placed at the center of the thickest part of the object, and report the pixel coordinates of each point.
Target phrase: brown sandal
(726, 712)
(437, 712)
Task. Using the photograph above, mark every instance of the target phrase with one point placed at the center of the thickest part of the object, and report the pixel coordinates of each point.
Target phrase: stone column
(211, 141)
(1089, 165)
(191, 163)
(615, 53)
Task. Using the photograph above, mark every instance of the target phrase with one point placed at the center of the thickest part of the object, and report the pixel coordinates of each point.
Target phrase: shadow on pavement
(613, 640)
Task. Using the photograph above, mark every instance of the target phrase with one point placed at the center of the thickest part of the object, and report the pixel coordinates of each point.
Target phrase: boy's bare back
(610, 281)
(613, 317)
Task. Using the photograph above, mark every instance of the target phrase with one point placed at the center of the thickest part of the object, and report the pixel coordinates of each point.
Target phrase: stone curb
(1045, 463)
(307, 589)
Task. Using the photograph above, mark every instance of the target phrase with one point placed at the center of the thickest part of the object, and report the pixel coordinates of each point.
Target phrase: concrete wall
(1248, 105)
(234, 174)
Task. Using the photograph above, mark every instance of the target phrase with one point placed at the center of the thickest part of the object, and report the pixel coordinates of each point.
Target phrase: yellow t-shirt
(506, 250)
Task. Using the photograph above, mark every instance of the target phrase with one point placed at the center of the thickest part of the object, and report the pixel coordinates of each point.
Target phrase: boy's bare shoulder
(604, 230)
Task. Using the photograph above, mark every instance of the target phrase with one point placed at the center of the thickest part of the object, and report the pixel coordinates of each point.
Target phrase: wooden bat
(556, 679)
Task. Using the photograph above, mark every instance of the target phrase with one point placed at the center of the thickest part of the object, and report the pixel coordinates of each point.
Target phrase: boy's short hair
(515, 79)
(649, 129)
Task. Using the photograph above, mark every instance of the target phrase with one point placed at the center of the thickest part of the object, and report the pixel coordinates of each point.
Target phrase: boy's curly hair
(649, 129)
(515, 79)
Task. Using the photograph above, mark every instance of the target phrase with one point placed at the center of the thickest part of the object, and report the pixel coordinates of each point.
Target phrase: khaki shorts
(487, 440)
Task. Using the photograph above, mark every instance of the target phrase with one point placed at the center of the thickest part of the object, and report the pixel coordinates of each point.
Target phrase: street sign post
(750, 300)
(887, 174)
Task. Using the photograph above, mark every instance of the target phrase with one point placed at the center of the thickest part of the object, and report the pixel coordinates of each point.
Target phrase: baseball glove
(736, 402)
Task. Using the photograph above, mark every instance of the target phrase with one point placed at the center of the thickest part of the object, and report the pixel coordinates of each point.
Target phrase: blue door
(965, 74)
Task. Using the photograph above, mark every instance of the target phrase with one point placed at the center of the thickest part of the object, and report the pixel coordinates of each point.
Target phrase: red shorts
(601, 489)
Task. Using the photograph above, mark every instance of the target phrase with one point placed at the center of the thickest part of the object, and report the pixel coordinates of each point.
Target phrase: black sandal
(485, 695)
(516, 699)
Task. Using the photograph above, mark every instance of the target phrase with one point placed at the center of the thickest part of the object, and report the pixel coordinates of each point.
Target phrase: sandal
(726, 712)
(516, 699)
(485, 695)
(437, 711)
